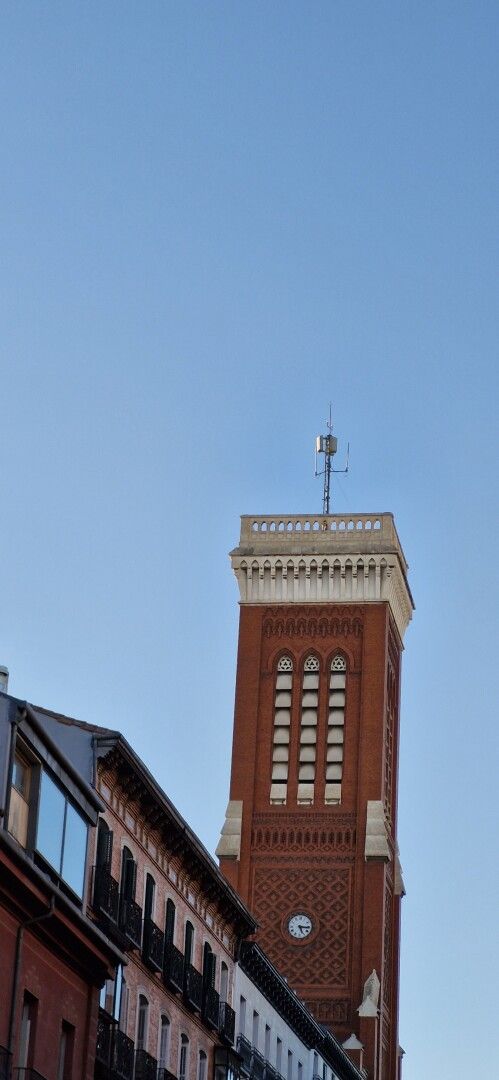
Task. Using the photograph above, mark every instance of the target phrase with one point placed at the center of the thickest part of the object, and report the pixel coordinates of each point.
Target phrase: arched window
(209, 965)
(104, 845)
(128, 874)
(224, 981)
(142, 1020)
(188, 942)
(308, 731)
(170, 922)
(202, 1064)
(335, 730)
(282, 727)
(183, 1058)
(164, 1042)
(149, 897)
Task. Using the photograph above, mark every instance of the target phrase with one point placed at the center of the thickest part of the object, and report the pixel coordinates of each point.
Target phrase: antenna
(328, 445)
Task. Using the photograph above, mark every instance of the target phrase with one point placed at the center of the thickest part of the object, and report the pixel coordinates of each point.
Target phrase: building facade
(53, 959)
(278, 1038)
(310, 836)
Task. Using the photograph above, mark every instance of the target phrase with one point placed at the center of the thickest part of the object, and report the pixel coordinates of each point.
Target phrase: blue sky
(215, 218)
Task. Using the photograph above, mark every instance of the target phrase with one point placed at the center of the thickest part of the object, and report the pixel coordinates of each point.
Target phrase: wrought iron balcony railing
(145, 1066)
(173, 967)
(227, 1023)
(105, 1025)
(193, 987)
(211, 1007)
(106, 899)
(257, 1065)
(5, 1063)
(131, 921)
(123, 1056)
(244, 1051)
(153, 945)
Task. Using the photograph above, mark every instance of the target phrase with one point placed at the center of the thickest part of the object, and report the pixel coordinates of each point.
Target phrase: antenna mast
(328, 445)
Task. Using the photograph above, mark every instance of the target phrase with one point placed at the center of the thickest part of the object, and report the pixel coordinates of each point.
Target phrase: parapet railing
(254, 529)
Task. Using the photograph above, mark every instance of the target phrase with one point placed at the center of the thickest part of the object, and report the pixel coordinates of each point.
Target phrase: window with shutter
(335, 730)
(308, 731)
(282, 727)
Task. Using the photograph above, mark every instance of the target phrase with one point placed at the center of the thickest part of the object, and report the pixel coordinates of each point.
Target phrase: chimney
(4, 679)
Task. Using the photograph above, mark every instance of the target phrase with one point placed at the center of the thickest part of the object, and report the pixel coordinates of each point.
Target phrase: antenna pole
(327, 445)
(327, 484)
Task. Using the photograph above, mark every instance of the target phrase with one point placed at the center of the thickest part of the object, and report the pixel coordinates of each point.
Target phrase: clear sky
(216, 217)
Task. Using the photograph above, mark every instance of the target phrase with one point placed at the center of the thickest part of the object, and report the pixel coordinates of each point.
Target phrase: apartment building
(53, 958)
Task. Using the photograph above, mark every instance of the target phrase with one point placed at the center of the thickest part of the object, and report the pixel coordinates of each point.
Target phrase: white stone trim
(332, 559)
(376, 845)
(229, 845)
(399, 887)
(301, 579)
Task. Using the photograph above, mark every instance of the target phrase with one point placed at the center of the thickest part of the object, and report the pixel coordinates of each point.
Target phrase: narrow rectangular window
(282, 727)
(267, 1042)
(27, 1033)
(19, 800)
(202, 1060)
(66, 1042)
(164, 1042)
(242, 1016)
(300, 1071)
(256, 1020)
(278, 1055)
(183, 1059)
(290, 1065)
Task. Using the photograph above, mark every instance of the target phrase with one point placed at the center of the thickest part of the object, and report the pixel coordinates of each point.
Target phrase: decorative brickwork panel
(325, 895)
(310, 623)
(316, 834)
(331, 1012)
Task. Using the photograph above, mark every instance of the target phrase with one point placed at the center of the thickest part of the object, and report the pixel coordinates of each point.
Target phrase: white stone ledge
(332, 559)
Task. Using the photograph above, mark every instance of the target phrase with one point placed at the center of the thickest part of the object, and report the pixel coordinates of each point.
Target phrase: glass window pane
(75, 846)
(50, 822)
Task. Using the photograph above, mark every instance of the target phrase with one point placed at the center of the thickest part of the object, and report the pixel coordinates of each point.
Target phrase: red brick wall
(173, 880)
(61, 995)
(296, 858)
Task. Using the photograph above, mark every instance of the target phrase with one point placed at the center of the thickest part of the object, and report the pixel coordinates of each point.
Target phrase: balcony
(153, 945)
(173, 967)
(106, 899)
(163, 1074)
(5, 1060)
(131, 922)
(193, 987)
(105, 1025)
(244, 1051)
(123, 1056)
(271, 1073)
(145, 1066)
(211, 1007)
(227, 1023)
(257, 1065)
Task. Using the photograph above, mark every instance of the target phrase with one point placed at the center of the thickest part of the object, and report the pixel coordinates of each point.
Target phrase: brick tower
(310, 839)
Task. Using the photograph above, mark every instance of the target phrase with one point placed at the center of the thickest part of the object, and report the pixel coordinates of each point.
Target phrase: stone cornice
(329, 560)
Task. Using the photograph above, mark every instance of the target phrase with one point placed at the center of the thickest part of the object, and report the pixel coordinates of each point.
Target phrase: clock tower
(310, 835)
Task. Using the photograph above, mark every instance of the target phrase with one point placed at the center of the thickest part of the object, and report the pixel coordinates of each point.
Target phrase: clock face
(299, 926)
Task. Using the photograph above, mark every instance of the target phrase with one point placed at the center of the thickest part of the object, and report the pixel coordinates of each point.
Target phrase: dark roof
(112, 746)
